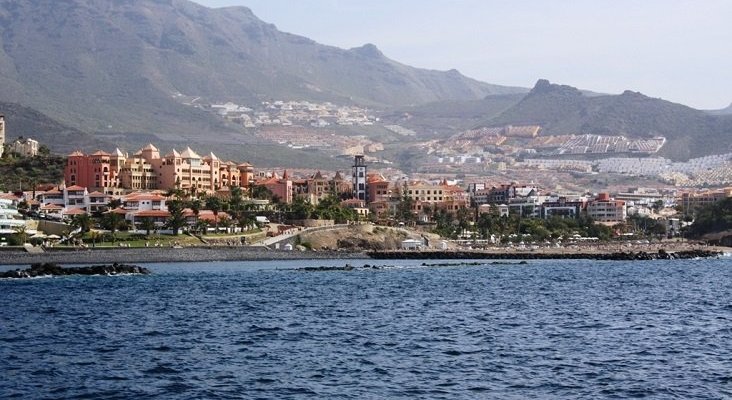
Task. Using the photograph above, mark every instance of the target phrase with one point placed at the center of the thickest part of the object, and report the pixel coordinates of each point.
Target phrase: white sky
(674, 49)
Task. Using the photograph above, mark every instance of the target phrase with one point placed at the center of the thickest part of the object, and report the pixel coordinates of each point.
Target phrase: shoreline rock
(53, 269)
(615, 256)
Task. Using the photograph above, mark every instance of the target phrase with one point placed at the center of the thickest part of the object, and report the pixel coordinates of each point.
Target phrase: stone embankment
(52, 269)
(167, 254)
(617, 256)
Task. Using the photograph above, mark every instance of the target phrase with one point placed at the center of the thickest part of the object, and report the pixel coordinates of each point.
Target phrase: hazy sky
(677, 50)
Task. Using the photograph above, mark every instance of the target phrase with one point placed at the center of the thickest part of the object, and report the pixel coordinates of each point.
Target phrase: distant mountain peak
(630, 93)
(543, 86)
(368, 50)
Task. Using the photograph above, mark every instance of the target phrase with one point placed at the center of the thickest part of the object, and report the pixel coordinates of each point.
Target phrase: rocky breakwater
(475, 254)
(53, 269)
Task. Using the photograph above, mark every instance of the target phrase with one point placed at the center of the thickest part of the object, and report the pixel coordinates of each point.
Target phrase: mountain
(123, 65)
(562, 109)
(724, 111)
(26, 122)
(444, 118)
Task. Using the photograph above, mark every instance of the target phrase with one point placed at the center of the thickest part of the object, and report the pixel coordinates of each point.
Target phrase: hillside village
(182, 191)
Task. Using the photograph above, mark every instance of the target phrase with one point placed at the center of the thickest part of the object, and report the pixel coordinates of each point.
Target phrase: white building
(10, 219)
(2, 134)
(24, 147)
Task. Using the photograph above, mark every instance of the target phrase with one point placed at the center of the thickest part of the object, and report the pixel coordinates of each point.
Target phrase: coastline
(248, 253)
(166, 254)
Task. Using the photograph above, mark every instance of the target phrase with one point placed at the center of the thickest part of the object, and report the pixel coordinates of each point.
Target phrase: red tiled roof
(50, 206)
(138, 197)
(207, 215)
(75, 187)
(152, 213)
(74, 211)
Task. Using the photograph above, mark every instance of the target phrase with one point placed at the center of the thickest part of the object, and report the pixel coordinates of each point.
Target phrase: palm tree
(94, 236)
(224, 222)
(195, 206)
(214, 204)
(176, 220)
(83, 222)
(114, 203)
(22, 233)
(112, 222)
(201, 226)
(148, 225)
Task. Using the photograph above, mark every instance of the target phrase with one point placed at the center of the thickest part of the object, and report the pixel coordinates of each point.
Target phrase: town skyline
(660, 48)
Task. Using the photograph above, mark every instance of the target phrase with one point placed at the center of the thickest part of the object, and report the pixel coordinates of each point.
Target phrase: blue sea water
(546, 329)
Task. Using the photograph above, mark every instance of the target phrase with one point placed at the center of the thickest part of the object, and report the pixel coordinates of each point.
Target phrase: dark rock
(53, 269)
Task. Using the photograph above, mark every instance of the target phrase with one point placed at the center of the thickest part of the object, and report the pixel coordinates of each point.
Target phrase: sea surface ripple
(546, 329)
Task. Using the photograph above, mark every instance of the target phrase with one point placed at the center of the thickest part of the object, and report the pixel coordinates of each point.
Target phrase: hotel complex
(146, 169)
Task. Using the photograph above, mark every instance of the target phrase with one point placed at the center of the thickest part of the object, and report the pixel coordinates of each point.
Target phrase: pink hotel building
(146, 169)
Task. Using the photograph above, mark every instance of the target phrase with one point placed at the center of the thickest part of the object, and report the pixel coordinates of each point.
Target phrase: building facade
(606, 209)
(147, 170)
(360, 189)
(24, 147)
(2, 134)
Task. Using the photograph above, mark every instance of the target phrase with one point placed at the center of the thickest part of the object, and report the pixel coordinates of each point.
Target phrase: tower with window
(359, 178)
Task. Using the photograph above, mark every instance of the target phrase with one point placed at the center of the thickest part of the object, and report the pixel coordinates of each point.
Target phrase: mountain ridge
(563, 109)
(99, 63)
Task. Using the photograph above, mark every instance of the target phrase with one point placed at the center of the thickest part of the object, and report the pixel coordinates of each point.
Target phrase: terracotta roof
(74, 211)
(149, 147)
(207, 215)
(373, 178)
(144, 196)
(75, 188)
(453, 188)
(50, 206)
(270, 181)
(353, 201)
(97, 194)
(119, 210)
(152, 213)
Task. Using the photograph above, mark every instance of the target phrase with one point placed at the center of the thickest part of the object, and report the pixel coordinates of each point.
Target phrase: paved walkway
(281, 238)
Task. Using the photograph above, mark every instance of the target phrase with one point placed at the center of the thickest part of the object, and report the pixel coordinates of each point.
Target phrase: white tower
(359, 179)
(2, 134)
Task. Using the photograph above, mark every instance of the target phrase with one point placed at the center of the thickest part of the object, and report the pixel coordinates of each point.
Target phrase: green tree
(177, 220)
(214, 204)
(113, 204)
(404, 207)
(83, 222)
(148, 225)
(112, 222)
(300, 209)
(22, 233)
(261, 192)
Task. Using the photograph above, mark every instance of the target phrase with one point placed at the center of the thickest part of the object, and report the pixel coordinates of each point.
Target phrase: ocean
(265, 330)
